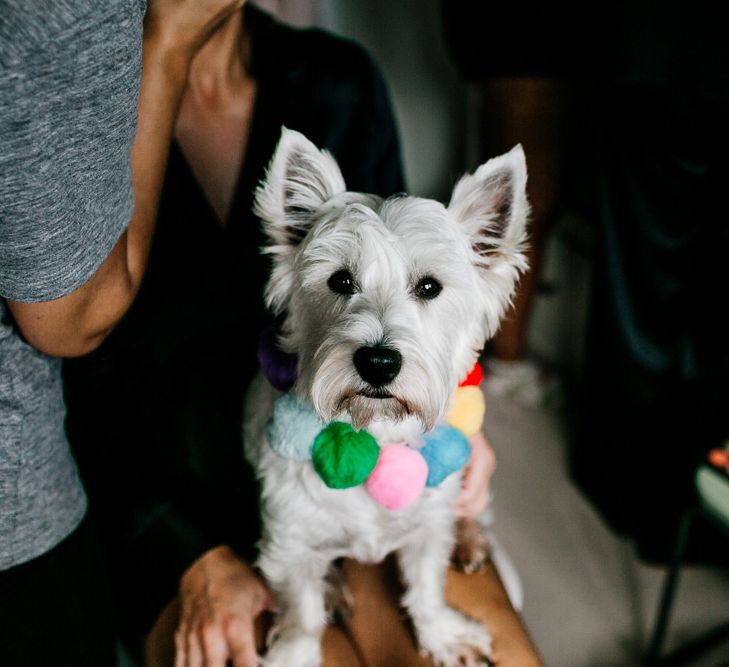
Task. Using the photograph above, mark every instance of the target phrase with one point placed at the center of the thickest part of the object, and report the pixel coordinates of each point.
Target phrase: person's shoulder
(43, 27)
(69, 81)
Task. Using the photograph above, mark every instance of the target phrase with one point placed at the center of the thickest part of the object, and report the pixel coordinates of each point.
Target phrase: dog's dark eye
(342, 282)
(427, 288)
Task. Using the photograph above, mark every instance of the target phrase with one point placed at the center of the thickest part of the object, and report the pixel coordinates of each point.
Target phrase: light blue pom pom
(446, 450)
(292, 428)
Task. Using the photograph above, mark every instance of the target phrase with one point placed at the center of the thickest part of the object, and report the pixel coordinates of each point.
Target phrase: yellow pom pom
(467, 410)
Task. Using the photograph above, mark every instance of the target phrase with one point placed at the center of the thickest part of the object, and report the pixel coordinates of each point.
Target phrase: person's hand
(476, 478)
(220, 597)
(185, 25)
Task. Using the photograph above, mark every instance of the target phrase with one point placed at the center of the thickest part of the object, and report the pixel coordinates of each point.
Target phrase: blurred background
(613, 386)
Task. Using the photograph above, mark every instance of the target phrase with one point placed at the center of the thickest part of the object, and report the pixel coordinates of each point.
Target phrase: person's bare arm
(77, 323)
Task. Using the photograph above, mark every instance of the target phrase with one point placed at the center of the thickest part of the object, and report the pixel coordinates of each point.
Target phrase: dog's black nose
(377, 365)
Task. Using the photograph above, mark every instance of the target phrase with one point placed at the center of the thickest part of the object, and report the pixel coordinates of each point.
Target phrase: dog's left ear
(492, 205)
(299, 179)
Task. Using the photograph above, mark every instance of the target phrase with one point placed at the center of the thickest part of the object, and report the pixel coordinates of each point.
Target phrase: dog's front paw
(301, 651)
(452, 640)
(338, 600)
(472, 550)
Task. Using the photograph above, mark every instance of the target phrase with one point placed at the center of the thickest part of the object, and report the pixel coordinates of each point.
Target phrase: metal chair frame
(695, 647)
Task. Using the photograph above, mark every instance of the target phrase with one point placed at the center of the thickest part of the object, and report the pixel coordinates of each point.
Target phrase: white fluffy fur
(474, 249)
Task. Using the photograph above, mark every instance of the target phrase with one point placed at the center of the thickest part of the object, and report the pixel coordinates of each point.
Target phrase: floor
(589, 602)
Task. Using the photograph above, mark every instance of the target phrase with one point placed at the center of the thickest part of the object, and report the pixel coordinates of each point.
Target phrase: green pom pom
(344, 457)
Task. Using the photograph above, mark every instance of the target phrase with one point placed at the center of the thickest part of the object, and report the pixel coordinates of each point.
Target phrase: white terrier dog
(387, 304)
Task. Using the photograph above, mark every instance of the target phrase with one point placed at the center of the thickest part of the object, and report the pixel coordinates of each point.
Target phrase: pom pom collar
(394, 474)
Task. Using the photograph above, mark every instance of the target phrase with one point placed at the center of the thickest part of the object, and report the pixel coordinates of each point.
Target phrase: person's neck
(219, 68)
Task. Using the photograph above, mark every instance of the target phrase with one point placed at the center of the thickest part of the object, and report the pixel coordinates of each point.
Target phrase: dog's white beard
(363, 409)
(337, 392)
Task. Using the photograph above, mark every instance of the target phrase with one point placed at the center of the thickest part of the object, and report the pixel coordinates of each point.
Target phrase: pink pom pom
(399, 477)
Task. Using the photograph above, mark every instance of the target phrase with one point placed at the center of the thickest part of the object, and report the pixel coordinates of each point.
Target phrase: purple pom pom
(277, 366)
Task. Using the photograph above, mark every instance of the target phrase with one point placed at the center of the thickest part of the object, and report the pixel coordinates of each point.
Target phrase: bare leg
(381, 631)
(533, 112)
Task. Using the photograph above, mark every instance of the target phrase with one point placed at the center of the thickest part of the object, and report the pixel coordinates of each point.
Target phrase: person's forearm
(78, 322)
(164, 73)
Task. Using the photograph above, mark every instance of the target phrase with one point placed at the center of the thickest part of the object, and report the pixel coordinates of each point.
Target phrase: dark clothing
(657, 391)
(69, 81)
(155, 414)
(525, 39)
(56, 609)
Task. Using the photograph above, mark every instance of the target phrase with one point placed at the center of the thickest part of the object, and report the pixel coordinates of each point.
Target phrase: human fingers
(468, 503)
(188, 652)
(474, 495)
(194, 651)
(187, 24)
(263, 598)
(240, 630)
(472, 501)
(242, 642)
(181, 645)
(213, 643)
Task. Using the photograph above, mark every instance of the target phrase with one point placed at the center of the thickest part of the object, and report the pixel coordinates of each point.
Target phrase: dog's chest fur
(300, 511)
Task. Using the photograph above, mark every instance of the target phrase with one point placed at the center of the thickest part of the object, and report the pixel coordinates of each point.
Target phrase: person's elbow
(76, 344)
(59, 330)
(77, 323)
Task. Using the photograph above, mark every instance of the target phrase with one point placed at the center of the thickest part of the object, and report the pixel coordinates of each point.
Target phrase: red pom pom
(719, 458)
(474, 378)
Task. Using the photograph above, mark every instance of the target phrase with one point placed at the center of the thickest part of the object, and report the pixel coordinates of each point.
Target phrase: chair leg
(652, 657)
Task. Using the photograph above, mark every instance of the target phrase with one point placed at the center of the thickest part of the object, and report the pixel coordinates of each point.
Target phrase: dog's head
(387, 302)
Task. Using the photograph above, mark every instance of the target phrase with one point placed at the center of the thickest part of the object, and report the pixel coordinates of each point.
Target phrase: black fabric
(656, 395)
(56, 609)
(524, 39)
(154, 416)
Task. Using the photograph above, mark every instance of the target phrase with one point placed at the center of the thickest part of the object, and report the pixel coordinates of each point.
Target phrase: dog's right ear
(299, 179)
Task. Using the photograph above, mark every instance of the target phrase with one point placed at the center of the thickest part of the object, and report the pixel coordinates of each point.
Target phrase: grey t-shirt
(69, 79)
